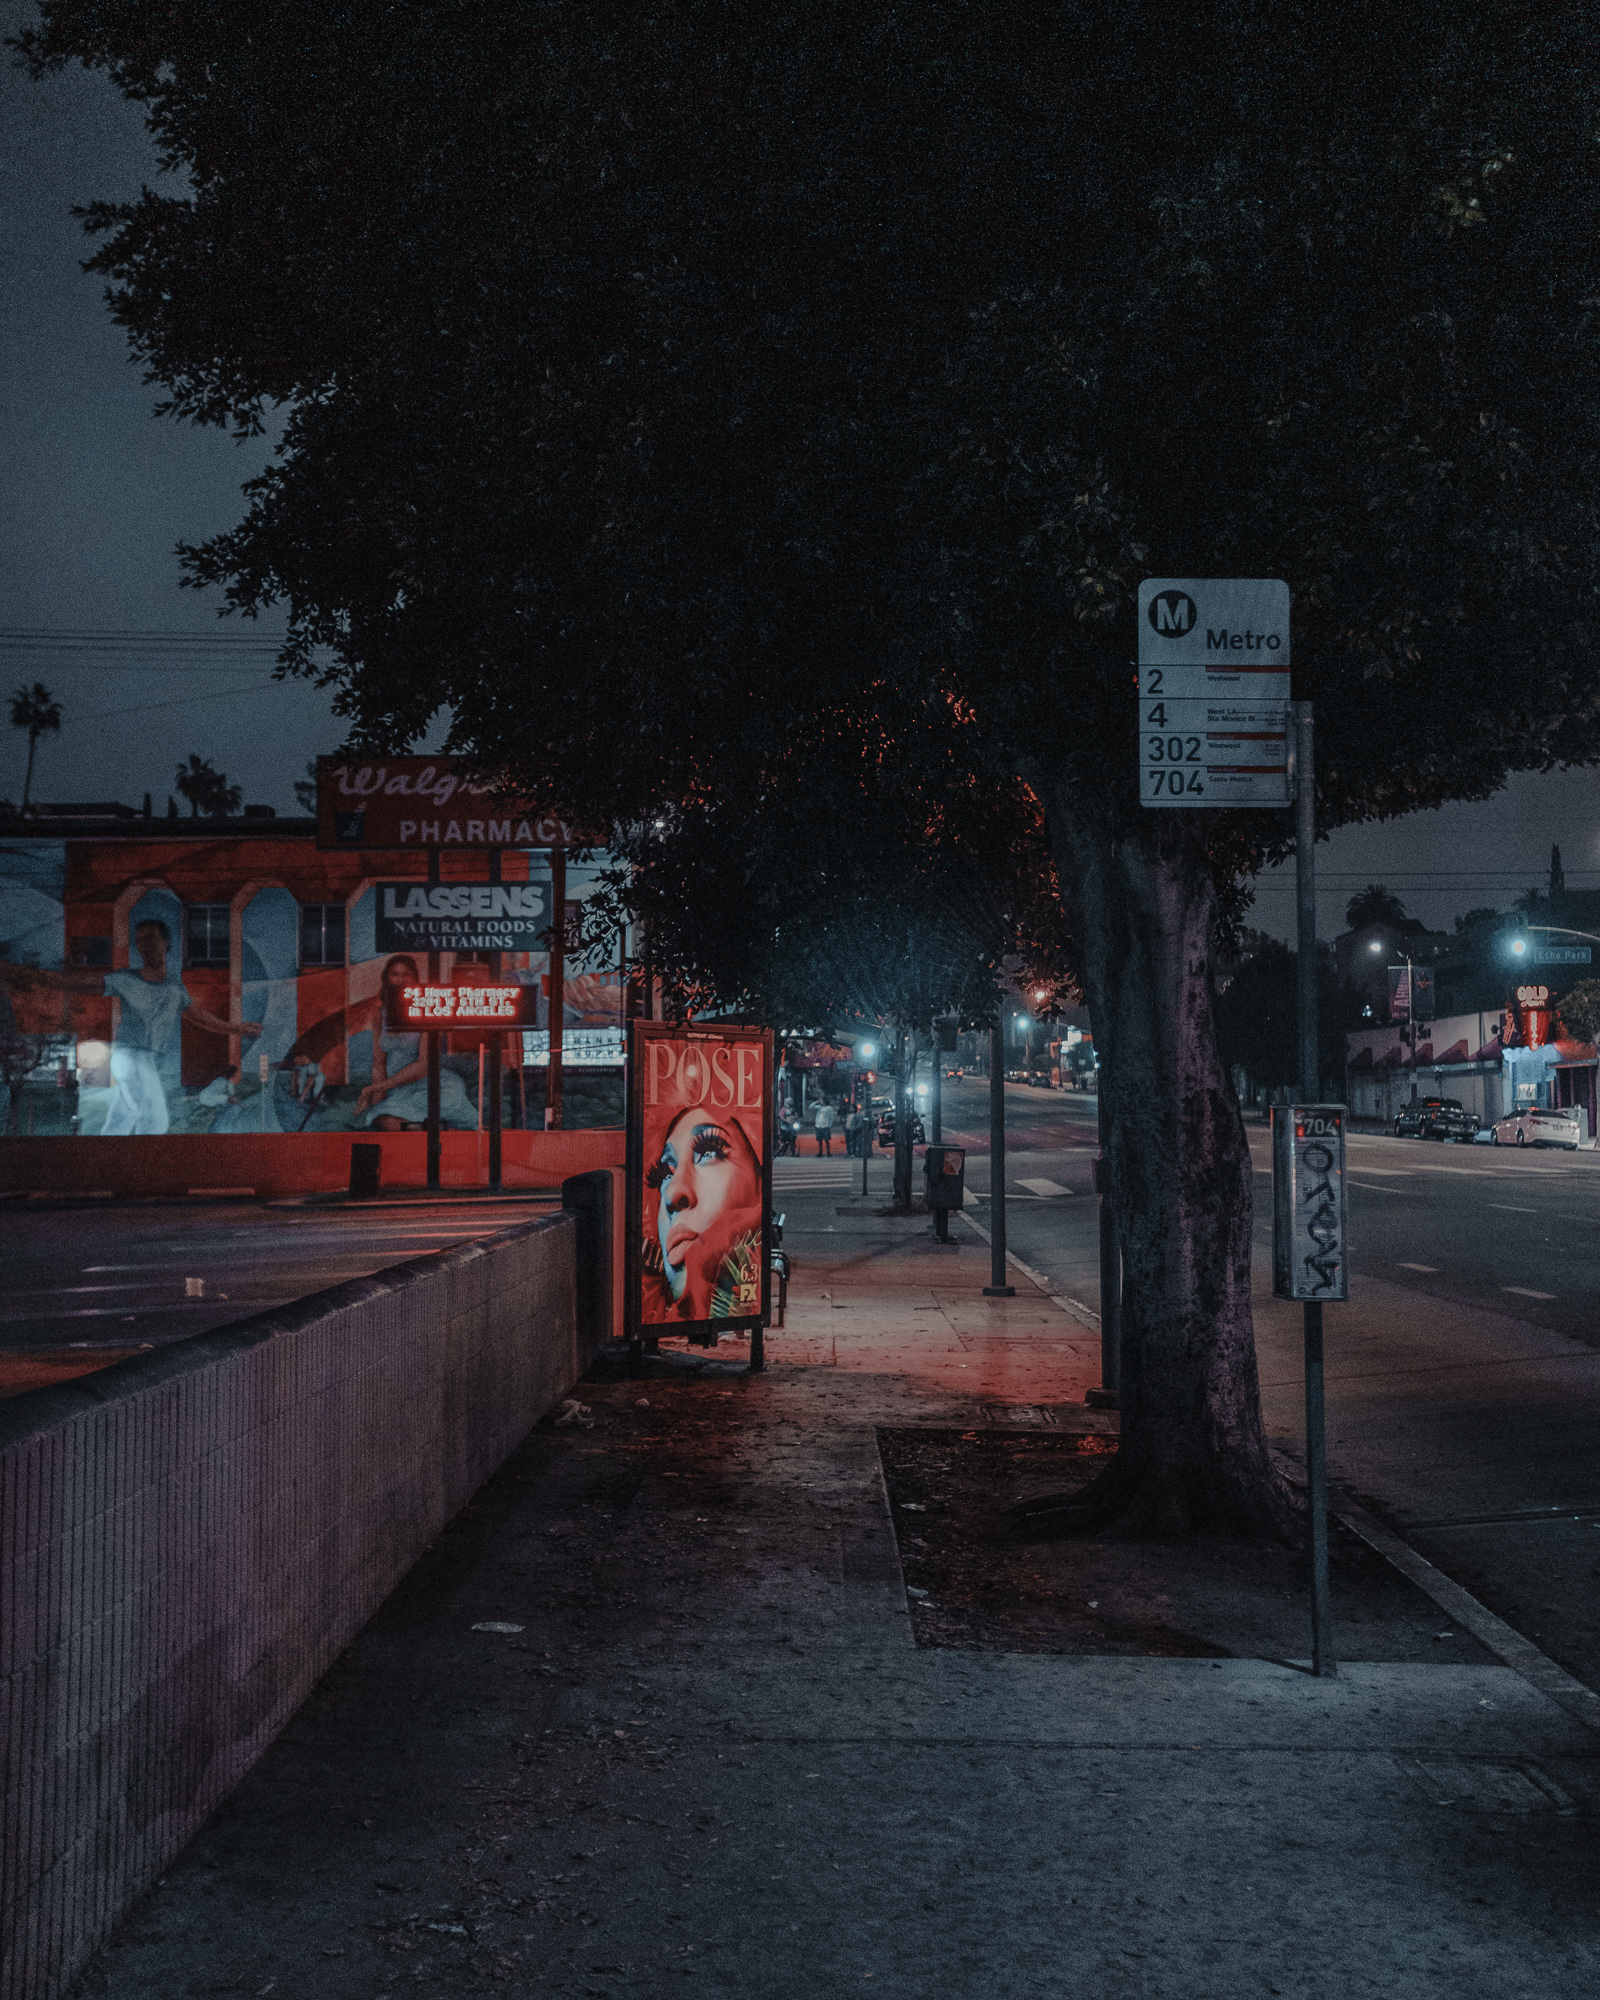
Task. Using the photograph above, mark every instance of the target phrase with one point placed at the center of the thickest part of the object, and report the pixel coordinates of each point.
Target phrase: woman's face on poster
(399, 970)
(710, 1193)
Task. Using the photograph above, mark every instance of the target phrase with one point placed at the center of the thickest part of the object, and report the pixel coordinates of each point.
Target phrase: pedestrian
(852, 1125)
(824, 1124)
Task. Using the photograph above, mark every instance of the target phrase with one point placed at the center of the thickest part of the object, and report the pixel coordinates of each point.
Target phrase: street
(1463, 1377)
(87, 1283)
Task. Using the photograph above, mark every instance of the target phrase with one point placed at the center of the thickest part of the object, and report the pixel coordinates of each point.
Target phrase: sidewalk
(652, 1716)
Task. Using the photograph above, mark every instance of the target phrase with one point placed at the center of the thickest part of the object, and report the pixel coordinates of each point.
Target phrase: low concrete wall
(283, 1163)
(188, 1539)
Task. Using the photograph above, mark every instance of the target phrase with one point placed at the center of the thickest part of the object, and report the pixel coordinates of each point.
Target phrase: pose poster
(699, 1176)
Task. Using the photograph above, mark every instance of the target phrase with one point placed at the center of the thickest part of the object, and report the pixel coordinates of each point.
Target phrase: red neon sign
(443, 1004)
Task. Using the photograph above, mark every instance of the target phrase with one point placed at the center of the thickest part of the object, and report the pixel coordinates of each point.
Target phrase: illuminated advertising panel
(217, 980)
(699, 1178)
(461, 916)
(439, 1004)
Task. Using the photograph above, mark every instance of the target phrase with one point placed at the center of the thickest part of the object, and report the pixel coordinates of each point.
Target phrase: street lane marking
(1372, 1187)
(1522, 1292)
(1431, 1269)
(1510, 1208)
(1043, 1187)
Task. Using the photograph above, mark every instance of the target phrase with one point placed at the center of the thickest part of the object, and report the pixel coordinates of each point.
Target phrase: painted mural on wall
(234, 984)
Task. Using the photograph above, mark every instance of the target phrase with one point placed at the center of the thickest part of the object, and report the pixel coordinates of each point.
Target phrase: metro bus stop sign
(1213, 691)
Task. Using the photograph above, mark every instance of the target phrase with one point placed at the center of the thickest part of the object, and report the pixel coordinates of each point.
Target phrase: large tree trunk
(1192, 1450)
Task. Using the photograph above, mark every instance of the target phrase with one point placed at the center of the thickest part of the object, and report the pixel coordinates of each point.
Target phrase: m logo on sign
(1172, 613)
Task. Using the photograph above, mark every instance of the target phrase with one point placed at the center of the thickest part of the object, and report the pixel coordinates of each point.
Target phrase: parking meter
(945, 1169)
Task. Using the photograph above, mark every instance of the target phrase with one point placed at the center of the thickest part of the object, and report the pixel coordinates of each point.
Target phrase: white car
(1567, 1125)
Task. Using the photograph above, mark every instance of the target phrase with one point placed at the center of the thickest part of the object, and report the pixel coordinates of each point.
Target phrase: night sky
(97, 492)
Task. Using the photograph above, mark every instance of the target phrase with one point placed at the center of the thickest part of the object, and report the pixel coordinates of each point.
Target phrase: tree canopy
(667, 386)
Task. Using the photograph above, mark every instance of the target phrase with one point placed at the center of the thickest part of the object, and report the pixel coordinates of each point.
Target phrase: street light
(1411, 1007)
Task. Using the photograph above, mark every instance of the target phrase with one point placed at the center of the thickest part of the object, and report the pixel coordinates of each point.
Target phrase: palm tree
(207, 789)
(1374, 905)
(36, 710)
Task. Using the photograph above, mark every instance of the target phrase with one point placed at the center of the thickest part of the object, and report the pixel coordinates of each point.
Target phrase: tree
(305, 789)
(36, 710)
(207, 789)
(1580, 1010)
(1374, 905)
(662, 388)
(1258, 1013)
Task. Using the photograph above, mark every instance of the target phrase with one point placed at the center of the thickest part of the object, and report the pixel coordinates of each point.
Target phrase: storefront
(168, 978)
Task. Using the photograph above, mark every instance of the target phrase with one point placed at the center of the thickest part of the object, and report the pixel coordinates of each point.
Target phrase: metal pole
(1109, 1394)
(553, 1106)
(432, 1037)
(497, 967)
(938, 1089)
(997, 1288)
(1305, 833)
(1305, 827)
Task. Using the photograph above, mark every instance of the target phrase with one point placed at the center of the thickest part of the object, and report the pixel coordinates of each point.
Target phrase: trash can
(945, 1169)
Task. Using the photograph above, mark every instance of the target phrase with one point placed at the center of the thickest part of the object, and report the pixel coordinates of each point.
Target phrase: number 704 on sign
(1213, 753)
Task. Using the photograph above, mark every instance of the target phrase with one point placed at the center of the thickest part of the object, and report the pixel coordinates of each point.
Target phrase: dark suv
(1436, 1118)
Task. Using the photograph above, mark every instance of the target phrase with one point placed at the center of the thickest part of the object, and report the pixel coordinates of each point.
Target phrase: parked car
(1564, 1125)
(1436, 1118)
(886, 1131)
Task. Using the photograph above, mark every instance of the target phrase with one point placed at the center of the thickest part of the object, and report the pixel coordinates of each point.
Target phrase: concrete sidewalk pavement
(651, 1716)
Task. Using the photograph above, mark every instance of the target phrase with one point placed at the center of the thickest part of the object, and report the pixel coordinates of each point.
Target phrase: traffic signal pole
(1305, 831)
(1109, 1394)
(997, 1288)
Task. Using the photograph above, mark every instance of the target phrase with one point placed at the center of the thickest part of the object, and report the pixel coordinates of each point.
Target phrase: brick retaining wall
(188, 1540)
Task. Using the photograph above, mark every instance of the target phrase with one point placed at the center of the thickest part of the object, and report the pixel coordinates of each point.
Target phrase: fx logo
(1172, 614)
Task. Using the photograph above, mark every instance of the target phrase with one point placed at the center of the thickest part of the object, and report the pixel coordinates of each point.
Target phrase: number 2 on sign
(1175, 781)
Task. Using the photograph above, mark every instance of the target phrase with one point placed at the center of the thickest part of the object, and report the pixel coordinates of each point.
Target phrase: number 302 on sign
(1173, 757)
(1217, 752)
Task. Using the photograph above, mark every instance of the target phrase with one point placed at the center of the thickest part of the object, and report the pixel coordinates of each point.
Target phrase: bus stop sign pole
(1309, 1183)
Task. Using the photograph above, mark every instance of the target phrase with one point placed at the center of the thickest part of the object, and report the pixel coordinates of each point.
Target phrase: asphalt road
(82, 1279)
(1464, 1374)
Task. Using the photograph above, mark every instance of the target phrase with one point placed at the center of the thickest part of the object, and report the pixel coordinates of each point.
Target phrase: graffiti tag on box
(1309, 1235)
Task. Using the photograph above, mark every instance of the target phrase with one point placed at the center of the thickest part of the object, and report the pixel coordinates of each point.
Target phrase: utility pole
(905, 1110)
(1305, 829)
(1109, 1394)
(553, 1106)
(435, 1044)
(997, 1288)
(493, 1065)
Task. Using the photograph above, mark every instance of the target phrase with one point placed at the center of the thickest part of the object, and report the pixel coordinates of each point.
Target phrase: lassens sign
(461, 916)
(699, 1177)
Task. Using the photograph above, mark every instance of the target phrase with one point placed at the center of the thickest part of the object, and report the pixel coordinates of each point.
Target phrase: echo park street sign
(1213, 691)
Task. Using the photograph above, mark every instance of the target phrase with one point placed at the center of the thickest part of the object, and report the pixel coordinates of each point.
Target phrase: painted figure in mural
(396, 1100)
(708, 1224)
(146, 1048)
